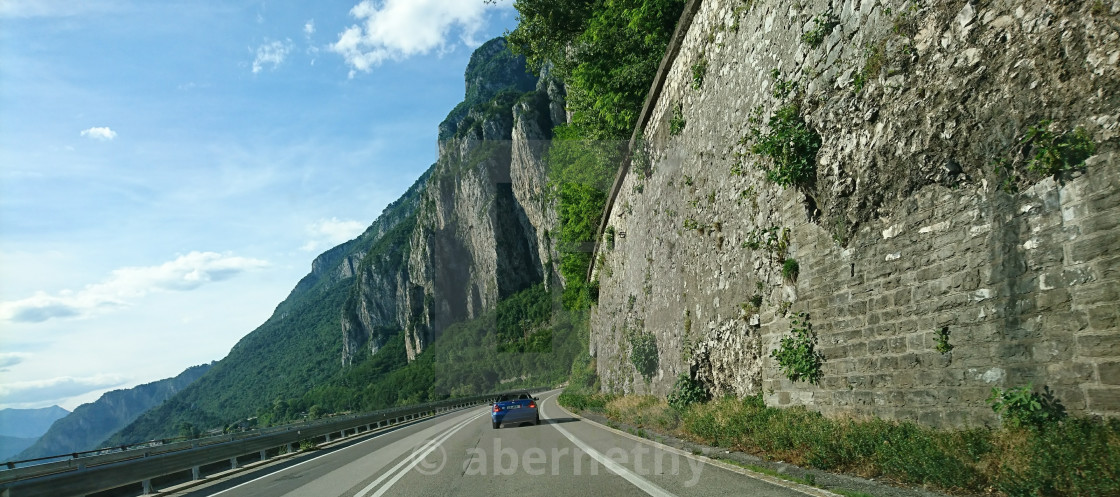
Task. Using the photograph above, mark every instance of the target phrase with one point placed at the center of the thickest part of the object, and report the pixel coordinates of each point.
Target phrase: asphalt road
(461, 455)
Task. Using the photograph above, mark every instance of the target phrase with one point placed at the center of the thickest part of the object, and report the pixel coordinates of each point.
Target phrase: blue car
(514, 408)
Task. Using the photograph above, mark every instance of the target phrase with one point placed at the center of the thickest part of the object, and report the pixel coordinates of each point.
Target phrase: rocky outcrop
(933, 263)
(475, 228)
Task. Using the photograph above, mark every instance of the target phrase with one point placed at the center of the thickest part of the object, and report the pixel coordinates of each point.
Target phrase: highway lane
(460, 454)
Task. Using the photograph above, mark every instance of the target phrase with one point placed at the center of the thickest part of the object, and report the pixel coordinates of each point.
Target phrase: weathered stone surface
(909, 227)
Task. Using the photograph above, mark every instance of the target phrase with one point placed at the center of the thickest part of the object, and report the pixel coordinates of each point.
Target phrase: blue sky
(168, 170)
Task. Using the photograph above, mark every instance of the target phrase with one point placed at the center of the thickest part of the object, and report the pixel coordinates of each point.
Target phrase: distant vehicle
(514, 407)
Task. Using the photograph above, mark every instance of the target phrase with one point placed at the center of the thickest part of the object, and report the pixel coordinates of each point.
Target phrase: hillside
(90, 424)
(352, 333)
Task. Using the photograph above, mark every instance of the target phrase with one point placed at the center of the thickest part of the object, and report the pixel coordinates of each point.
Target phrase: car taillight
(496, 408)
(533, 405)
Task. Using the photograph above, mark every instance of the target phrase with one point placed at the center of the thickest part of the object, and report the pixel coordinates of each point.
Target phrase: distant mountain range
(90, 424)
(19, 428)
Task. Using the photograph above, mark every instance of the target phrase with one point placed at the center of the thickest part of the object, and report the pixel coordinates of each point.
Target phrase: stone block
(921, 398)
(1098, 345)
(1107, 292)
(1106, 221)
(1069, 373)
(896, 345)
(1103, 400)
(1109, 373)
(1092, 248)
(1104, 317)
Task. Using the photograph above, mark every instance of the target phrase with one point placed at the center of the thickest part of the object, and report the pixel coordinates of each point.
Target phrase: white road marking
(412, 460)
(274, 473)
(642, 483)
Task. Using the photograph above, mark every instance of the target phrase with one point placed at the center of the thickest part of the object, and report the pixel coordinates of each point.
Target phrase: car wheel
(496, 424)
(538, 421)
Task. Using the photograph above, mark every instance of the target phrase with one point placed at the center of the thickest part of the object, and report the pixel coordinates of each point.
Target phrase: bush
(643, 353)
(1022, 407)
(1055, 154)
(791, 145)
(687, 391)
(796, 354)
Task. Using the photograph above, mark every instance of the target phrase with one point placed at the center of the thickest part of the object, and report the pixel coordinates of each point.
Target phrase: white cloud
(271, 53)
(331, 232)
(55, 389)
(99, 133)
(309, 28)
(397, 29)
(124, 285)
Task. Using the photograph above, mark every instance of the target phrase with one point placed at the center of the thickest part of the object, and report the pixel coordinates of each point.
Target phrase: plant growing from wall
(608, 235)
(796, 354)
(790, 269)
(791, 146)
(875, 55)
(677, 122)
(1023, 407)
(1057, 153)
(824, 24)
(942, 340)
(643, 353)
(687, 391)
(699, 70)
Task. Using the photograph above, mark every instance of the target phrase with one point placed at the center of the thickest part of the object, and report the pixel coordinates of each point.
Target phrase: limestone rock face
(473, 229)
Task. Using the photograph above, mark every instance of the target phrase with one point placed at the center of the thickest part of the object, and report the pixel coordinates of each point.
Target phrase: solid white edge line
(414, 458)
(797, 487)
(642, 483)
(274, 473)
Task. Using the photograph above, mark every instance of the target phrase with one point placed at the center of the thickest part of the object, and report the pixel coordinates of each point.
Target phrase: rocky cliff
(925, 191)
(478, 218)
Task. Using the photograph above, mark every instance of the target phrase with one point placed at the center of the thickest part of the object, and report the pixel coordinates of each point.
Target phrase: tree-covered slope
(90, 424)
(297, 349)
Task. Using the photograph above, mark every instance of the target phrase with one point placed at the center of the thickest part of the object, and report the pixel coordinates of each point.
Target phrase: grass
(1073, 457)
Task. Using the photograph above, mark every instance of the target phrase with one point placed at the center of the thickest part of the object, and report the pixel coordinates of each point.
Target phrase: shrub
(1055, 154)
(643, 353)
(824, 24)
(791, 145)
(942, 339)
(790, 269)
(699, 70)
(687, 391)
(677, 122)
(796, 354)
(1023, 407)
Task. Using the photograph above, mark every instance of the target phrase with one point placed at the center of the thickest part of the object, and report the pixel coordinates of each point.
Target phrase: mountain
(29, 423)
(471, 231)
(90, 424)
(10, 446)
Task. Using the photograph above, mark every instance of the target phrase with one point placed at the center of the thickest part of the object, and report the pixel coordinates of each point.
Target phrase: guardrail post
(233, 462)
(263, 455)
(147, 487)
(195, 473)
(290, 448)
(328, 435)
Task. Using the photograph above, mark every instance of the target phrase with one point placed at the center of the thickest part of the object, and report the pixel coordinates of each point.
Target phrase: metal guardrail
(95, 473)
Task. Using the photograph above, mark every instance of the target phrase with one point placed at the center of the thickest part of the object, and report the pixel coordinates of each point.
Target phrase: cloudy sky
(168, 170)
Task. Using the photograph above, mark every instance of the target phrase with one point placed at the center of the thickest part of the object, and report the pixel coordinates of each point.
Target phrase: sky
(169, 170)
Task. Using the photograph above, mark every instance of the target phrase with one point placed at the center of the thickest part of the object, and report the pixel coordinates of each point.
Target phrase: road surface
(459, 454)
